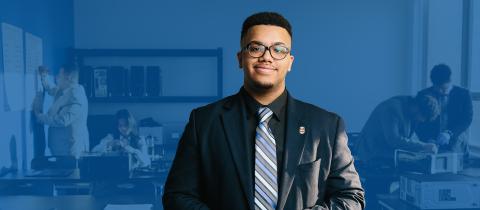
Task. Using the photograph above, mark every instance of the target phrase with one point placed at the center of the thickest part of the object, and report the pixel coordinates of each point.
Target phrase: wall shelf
(179, 75)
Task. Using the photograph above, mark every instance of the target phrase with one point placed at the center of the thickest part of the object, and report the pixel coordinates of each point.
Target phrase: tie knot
(264, 114)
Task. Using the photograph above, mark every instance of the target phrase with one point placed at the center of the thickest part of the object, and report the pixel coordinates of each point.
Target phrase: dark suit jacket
(211, 170)
(459, 117)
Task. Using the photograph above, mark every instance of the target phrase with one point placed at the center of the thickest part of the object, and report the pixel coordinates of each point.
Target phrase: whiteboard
(13, 65)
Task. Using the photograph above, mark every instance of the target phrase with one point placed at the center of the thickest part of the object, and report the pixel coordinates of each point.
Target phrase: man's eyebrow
(259, 42)
(256, 42)
(279, 43)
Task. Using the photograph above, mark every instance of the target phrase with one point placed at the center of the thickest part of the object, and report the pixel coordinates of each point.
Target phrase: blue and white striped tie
(266, 190)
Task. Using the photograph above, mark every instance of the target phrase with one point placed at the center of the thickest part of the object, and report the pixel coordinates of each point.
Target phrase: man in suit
(261, 148)
(67, 116)
(448, 131)
(391, 126)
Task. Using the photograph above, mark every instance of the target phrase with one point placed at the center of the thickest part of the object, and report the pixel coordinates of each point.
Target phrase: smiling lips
(262, 69)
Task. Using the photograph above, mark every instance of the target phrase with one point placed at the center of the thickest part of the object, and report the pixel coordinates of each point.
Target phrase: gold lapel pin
(301, 130)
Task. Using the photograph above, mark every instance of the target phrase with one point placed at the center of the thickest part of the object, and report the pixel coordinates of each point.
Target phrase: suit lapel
(294, 143)
(233, 120)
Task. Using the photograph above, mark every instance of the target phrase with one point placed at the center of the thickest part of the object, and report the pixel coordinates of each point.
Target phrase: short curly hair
(265, 18)
(428, 107)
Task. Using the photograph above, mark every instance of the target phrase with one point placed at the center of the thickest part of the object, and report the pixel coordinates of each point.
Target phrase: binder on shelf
(137, 81)
(100, 82)
(154, 81)
(117, 81)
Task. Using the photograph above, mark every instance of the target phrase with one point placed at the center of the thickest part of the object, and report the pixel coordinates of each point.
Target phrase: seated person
(391, 126)
(125, 140)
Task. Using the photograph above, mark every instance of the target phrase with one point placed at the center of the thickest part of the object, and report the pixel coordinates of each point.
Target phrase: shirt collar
(253, 105)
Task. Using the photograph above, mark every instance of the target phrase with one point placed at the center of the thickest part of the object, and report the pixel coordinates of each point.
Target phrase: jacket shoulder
(314, 112)
(214, 108)
(460, 90)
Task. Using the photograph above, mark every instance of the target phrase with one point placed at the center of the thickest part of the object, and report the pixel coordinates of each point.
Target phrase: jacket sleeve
(344, 190)
(68, 113)
(464, 115)
(182, 188)
(73, 106)
(141, 153)
(391, 125)
(102, 146)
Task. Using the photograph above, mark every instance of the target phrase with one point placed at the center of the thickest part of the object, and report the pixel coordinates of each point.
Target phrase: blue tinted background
(349, 55)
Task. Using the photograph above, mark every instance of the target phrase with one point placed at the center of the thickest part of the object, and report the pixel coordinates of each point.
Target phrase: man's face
(265, 73)
(62, 80)
(443, 89)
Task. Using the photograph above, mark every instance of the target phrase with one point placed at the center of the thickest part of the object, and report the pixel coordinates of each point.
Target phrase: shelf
(179, 75)
(166, 99)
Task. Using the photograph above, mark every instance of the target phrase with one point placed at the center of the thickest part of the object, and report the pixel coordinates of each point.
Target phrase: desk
(393, 202)
(18, 183)
(72, 202)
(75, 178)
(19, 177)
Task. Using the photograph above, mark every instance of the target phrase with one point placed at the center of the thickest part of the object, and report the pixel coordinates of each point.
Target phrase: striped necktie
(266, 190)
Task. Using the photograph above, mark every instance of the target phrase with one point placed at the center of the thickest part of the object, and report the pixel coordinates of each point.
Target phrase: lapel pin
(301, 130)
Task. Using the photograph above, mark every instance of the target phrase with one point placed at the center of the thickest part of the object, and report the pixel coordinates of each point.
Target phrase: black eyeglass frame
(266, 48)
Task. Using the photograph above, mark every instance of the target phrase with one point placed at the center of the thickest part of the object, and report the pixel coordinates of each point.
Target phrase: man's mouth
(264, 69)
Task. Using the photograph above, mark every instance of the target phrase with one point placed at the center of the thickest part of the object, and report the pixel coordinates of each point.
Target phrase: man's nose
(267, 56)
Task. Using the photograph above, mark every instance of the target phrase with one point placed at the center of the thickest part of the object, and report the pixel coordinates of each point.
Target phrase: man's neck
(265, 97)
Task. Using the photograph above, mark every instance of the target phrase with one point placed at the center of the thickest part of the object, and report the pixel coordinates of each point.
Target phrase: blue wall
(344, 50)
(51, 20)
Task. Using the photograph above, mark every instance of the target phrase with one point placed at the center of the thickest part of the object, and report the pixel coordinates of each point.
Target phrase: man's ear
(291, 63)
(240, 61)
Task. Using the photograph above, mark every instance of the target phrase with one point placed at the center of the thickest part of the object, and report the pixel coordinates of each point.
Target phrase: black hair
(427, 106)
(265, 18)
(440, 74)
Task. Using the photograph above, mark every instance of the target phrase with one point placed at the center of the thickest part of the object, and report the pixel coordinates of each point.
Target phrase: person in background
(67, 116)
(449, 130)
(125, 140)
(391, 126)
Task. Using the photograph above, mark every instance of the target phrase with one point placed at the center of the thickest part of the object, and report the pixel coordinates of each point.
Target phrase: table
(71, 202)
(393, 202)
(44, 185)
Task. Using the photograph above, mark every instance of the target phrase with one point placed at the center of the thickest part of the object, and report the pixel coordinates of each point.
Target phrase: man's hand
(444, 138)
(430, 148)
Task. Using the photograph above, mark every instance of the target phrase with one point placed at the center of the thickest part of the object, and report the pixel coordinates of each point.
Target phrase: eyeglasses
(257, 50)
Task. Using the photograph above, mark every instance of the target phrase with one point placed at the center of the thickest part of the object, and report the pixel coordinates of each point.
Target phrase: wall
(445, 36)
(350, 55)
(51, 20)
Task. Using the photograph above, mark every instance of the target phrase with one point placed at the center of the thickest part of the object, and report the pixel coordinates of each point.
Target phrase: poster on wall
(33, 59)
(13, 65)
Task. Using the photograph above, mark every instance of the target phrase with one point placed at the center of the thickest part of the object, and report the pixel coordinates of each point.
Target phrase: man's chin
(262, 85)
